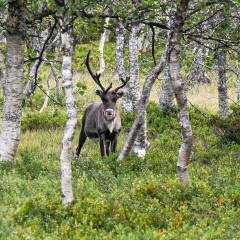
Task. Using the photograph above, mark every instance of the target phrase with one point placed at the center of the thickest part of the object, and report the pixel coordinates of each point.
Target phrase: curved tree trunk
(141, 143)
(13, 83)
(142, 105)
(222, 83)
(173, 58)
(30, 85)
(126, 100)
(67, 152)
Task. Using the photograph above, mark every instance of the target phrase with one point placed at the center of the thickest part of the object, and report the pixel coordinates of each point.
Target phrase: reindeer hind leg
(82, 139)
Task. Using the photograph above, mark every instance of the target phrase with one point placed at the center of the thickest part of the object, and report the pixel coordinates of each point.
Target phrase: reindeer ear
(99, 92)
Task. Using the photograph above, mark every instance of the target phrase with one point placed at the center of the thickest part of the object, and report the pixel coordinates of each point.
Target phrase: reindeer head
(108, 96)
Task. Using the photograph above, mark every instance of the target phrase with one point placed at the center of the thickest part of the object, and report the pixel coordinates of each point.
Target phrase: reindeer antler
(95, 76)
(124, 83)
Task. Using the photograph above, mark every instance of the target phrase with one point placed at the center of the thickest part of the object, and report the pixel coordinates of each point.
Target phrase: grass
(135, 200)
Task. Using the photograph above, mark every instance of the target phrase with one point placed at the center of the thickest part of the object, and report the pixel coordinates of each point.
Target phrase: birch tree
(37, 45)
(166, 100)
(102, 41)
(197, 74)
(173, 58)
(142, 104)
(13, 82)
(166, 96)
(221, 56)
(67, 152)
(120, 38)
(141, 143)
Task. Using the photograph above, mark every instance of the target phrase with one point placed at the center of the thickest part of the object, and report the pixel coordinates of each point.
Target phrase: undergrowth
(138, 199)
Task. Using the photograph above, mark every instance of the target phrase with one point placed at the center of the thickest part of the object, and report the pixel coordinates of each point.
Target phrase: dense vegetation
(139, 199)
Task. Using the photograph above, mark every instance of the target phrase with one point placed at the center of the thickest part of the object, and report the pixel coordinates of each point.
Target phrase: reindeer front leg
(102, 145)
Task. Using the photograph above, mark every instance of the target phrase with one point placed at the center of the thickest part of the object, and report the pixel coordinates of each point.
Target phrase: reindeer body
(96, 126)
(102, 120)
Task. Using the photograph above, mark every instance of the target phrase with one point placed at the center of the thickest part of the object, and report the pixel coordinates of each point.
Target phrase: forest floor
(138, 199)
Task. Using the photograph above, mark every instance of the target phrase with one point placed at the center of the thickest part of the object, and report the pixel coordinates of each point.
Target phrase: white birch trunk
(222, 83)
(126, 100)
(13, 82)
(166, 96)
(102, 41)
(142, 105)
(166, 100)
(173, 57)
(197, 73)
(45, 103)
(141, 143)
(12, 90)
(30, 85)
(67, 152)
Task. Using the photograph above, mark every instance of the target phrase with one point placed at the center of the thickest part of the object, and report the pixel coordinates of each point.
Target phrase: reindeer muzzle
(109, 114)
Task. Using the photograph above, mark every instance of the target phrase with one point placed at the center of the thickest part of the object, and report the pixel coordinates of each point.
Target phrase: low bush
(45, 120)
(229, 128)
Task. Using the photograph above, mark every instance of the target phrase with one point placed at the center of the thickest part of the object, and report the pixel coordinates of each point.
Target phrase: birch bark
(126, 100)
(102, 41)
(197, 73)
(45, 103)
(30, 86)
(166, 96)
(222, 83)
(67, 152)
(142, 104)
(173, 58)
(13, 82)
(166, 100)
(141, 143)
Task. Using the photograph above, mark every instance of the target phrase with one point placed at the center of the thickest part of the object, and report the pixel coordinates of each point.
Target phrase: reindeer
(101, 119)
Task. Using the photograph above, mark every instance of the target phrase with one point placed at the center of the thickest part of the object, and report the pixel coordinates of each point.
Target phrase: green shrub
(45, 120)
(229, 128)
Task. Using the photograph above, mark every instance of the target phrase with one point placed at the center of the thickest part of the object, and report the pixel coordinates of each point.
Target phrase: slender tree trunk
(167, 96)
(126, 100)
(52, 71)
(142, 104)
(197, 73)
(30, 85)
(67, 152)
(173, 58)
(13, 83)
(133, 84)
(45, 103)
(102, 41)
(141, 143)
(222, 83)
(166, 101)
